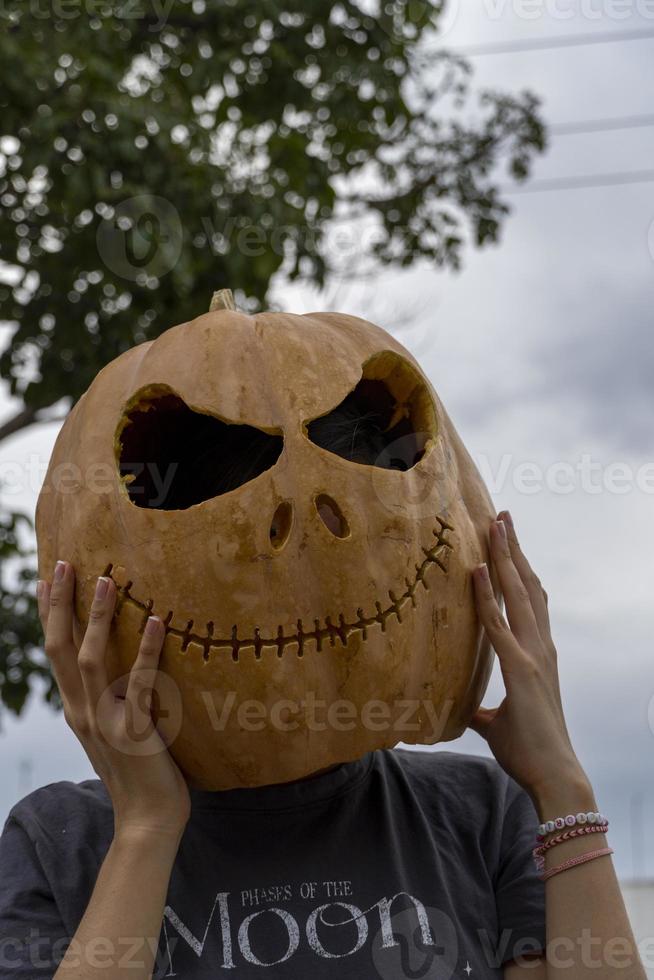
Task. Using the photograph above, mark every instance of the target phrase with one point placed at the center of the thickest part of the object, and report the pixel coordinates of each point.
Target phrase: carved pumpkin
(322, 608)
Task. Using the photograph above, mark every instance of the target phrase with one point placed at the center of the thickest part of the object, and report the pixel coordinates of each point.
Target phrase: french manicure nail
(501, 526)
(39, 588)
(60, 569)
(152, 624)
(101, 587)
(483, 570)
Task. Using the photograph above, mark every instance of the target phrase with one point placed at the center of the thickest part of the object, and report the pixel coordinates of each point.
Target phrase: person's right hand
(148, 791)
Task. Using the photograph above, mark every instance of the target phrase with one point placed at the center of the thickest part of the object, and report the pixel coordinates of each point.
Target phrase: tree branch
(21, 420)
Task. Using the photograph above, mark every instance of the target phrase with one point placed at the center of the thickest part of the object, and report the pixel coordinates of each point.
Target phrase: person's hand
(527, 733)
(147, 790)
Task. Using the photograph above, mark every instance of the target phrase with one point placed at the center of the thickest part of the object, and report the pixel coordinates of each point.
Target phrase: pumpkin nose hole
(332, 516)
(280, 527)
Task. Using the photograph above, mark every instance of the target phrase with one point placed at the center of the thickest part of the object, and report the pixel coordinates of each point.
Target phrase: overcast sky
(542, 352)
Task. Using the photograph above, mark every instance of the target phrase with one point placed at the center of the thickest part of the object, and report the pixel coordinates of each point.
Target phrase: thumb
(481, 720)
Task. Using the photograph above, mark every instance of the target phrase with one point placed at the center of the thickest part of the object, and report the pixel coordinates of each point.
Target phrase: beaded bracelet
(571, 862)
(549, 826)
(539, 852)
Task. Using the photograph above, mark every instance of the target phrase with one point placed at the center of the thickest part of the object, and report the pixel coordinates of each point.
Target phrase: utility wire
(581, 182)
(590, 180)
(549, 43)
(601, 125)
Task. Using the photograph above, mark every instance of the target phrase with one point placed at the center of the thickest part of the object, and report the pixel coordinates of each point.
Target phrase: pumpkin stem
(222, 299)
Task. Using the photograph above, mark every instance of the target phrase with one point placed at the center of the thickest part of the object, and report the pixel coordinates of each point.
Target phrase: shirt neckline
(287, 796)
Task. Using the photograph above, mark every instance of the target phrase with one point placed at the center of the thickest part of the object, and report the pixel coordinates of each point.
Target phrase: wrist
(153, 835)
(563, 796)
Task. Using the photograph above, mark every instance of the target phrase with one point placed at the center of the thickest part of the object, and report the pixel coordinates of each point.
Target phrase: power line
(548, 43)
(582, 181)
(601, 125)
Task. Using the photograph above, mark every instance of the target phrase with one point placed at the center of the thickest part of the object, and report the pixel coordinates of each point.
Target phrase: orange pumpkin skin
(384, 614)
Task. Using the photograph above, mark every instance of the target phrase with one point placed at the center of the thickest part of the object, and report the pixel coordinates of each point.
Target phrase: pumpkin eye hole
(171, 457)
(280, 527)
(386, 421)
(332, 516)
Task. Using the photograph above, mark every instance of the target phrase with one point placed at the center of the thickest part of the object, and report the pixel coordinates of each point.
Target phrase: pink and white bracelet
(589, 822)
(571, 820)
(539, 852)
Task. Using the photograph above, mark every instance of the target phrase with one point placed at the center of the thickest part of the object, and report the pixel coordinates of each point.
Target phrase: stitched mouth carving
(323, 632)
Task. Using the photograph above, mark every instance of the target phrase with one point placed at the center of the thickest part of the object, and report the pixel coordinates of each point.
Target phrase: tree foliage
(152, 153)
(21, 659)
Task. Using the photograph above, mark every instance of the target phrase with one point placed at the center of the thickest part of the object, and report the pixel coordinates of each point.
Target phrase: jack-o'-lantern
(318, 604)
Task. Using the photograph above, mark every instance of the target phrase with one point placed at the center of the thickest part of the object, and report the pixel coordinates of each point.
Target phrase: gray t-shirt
(402, 865)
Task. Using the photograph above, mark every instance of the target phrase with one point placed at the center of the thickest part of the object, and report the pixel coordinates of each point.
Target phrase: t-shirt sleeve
(32, 934)
(519, 891)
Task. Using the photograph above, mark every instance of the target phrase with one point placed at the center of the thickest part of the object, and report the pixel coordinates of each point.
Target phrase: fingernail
(152, 624)
(101, 587)
(60, 569)
(502, 528)
(39, 588)
(483, 570)
(509, 519)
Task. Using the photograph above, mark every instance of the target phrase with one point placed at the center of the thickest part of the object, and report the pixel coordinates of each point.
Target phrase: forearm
(588, 930)
(120, 929)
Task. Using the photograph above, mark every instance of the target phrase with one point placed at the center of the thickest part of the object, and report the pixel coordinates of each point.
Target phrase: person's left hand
(527, 733)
